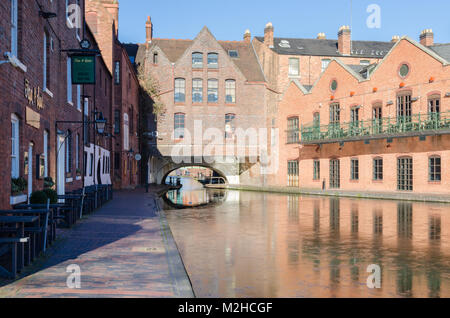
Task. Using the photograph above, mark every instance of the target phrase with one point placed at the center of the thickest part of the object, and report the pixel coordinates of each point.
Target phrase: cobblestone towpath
(125, 249)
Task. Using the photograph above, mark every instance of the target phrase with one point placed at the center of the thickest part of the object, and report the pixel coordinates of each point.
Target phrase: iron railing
(385, 127)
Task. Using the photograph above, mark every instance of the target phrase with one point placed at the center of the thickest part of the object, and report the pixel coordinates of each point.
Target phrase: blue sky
(229, 19)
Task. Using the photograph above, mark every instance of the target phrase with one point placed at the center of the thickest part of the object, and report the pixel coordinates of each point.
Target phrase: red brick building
(36, 92)
(103, 18)
(385, 131)
(217, 83)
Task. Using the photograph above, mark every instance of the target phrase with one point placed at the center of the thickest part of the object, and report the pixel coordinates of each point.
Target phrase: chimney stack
(113, 9)
(268, 35)
(427, 37)
(321, 36)
(247, 36)
(395, 39)
(344, 40)
(149, 31)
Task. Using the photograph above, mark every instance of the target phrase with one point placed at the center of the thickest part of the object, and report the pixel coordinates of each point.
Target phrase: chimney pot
(247, 36)
(321, 36)
(344, 40)
(395, 39)
(149, 30)
(268, 35)
(427, 37)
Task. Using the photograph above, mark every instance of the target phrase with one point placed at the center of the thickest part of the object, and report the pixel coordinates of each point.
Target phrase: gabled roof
(247, 60)
(317, 47)
(442, 50)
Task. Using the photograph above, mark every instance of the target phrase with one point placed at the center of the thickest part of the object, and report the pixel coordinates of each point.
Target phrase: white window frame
(292, 71)
(45, 153)
(126, 132)
(79, 98)
(69, 81)
(325, 63)
(45, 63)
(14, 27)
(77, 153)
(15, 142)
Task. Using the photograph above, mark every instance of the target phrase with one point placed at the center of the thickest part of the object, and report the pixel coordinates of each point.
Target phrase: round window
(404, 70)
(334, 85)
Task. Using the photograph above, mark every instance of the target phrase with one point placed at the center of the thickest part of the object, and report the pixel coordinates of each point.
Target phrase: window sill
(180, 104)
(230, 104)
(213, 69)
(197, 104)
(48, 92)
(13, 200)
(213, 104)
(377, 181)
(435, 182)
(70, 103)
(199, 69)
(16, 62)
(295, 76)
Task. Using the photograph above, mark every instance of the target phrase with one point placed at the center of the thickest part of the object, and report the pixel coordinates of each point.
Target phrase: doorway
(61, 171)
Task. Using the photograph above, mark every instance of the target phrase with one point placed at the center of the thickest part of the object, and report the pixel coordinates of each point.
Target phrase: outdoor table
(36, 213)
(18, 223)
(73, 198)
(53, 215)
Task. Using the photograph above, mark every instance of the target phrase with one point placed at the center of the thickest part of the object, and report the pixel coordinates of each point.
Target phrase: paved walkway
(125, 249)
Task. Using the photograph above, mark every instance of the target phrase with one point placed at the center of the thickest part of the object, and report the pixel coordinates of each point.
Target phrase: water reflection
(193, 194)
(267, 245)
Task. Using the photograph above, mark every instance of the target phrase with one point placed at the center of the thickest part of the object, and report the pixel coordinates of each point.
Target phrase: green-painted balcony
(399, 127)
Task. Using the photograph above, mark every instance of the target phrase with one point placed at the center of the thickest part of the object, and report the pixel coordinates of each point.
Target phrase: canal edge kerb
(182, 283)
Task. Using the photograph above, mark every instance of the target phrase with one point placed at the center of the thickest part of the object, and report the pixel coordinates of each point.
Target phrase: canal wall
(347, 194)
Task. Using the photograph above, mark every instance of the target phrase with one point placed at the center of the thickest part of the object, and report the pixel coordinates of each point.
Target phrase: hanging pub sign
(83, 69)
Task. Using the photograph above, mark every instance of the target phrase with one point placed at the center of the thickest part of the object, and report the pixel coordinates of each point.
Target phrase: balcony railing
(415, 125)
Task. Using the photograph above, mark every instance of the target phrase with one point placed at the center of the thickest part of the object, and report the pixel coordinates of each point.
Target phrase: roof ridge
(166, 39)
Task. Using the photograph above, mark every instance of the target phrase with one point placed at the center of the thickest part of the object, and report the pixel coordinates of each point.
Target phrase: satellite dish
(138, 157)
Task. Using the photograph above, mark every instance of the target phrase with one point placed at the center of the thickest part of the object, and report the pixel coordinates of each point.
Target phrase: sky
(228, 19)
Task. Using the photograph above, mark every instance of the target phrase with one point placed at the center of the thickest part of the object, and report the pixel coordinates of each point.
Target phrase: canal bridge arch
(160, 168)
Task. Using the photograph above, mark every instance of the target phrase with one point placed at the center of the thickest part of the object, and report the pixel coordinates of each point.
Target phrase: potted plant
(38, 197)
(48, 183)
(18, 186)
(52, 195)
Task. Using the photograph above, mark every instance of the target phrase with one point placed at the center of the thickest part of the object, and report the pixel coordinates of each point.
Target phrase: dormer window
(213, 60)
(197, 60)
(233, 54)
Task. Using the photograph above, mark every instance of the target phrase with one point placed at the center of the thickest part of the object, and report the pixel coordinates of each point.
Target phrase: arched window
(435, 169)
(180, 90)
(15, 142)
(197, 60)
(230, 91)
(179, 125)
(434, 109)
(213, 60)
(404, 106)
(405, 174)
(230, 125)
(197, 90)
(69, 157)
(293, 130)
(378, 169)
(213, 91)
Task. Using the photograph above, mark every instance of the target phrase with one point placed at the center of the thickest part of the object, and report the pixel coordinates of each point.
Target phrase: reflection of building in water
(264, 245)
(405, 239)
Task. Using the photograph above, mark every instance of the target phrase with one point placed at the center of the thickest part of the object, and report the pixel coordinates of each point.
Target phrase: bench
(10, 244)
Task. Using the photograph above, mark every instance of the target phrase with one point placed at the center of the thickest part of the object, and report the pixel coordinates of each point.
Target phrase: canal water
(248, 244)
